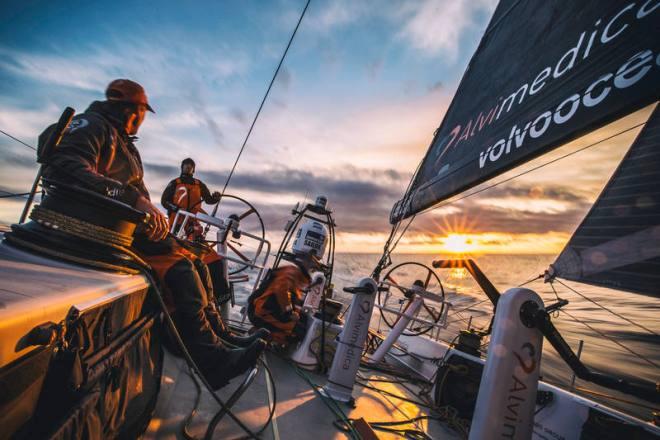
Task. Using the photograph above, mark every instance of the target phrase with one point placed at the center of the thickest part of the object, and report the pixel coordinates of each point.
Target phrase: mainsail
(545, 72)
(617, 245)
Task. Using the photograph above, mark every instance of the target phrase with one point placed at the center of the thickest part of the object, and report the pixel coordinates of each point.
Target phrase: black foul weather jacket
(95, 152)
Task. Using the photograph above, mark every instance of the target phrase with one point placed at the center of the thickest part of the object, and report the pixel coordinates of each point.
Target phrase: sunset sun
(458, 243)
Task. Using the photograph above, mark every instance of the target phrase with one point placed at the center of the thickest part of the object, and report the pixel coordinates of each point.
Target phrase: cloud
(27, 124)
(201, 109)
(438, 85)
(335, 14)
(161, 66)
(238, 114)
(436, 26)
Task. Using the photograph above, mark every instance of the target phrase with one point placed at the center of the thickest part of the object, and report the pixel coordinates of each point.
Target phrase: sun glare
(458, 243)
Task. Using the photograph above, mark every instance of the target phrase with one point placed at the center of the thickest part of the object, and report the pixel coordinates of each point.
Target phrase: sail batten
(544, 74)
(617, 245)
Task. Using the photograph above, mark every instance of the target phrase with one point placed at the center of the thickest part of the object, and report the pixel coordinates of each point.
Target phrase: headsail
(544, 73)
(618, 243)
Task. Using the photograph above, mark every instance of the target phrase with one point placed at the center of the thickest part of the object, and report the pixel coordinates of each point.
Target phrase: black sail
(545, 72)
(617, 245)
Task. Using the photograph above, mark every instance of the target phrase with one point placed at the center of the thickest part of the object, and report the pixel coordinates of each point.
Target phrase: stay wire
(607, 309)
(18, 140)
(9, 194)
(555, 292)
(650, 362)
(263, 101)
(616, 399)
(531, 280)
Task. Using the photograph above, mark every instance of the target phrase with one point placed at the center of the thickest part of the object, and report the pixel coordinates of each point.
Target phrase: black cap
(188, 160)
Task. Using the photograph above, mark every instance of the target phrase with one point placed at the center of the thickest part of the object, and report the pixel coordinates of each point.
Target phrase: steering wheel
(393, 294)
(250, 222)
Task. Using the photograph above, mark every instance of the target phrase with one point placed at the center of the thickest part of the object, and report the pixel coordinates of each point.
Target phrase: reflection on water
(599, 352)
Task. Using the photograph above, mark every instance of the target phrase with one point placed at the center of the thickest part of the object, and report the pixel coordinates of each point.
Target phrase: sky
(352, 112)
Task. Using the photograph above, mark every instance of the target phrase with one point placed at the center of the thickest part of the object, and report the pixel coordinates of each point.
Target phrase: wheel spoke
(430, 312)
(395, 284)
(237, 252)
(428, 279)
(246, 213)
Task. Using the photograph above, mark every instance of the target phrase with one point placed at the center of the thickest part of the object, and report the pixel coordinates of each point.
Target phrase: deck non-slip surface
(300, 414)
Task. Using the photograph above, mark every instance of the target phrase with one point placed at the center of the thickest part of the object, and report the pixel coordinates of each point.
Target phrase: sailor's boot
(213, 314)
(217, 362)
(218, 325)
(232, 363)
(244, 341)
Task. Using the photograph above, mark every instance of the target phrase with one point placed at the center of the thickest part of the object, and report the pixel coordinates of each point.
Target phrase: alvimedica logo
(516, 398)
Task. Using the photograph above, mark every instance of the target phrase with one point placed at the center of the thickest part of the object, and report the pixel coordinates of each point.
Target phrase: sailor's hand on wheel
(158, 226)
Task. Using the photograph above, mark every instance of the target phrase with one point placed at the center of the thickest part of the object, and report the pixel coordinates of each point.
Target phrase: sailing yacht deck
(300, 413)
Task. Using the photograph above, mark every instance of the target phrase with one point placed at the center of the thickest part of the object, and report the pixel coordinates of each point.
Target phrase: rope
(68, 257)
(607, 309)
(611, 339)
(263, 101)
(18, 140)
(330, 403)
(79, 228)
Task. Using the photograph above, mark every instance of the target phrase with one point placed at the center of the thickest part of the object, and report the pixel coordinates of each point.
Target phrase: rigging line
(650, 362)
(531, 280)
(555, 292)
(390, 249)
(395, 227)
(469, 307)
(557, 159)
(18, 140)
(607, 309)
(263, 101)
(8, 194)
(616, 399)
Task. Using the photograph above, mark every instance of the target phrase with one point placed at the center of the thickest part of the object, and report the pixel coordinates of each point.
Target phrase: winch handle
(52, 142)
(56, 136)
(359, 289)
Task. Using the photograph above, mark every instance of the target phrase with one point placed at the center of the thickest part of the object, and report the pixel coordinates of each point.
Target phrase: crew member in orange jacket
(276, 304)
(187, 193)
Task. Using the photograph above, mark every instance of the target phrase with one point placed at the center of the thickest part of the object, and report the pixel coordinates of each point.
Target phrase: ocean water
(608, 341)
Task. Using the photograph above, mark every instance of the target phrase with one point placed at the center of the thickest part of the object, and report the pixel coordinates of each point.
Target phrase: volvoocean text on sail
(631, 72)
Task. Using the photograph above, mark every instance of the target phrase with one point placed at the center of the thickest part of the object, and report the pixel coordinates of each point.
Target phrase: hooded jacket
(95, 152)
